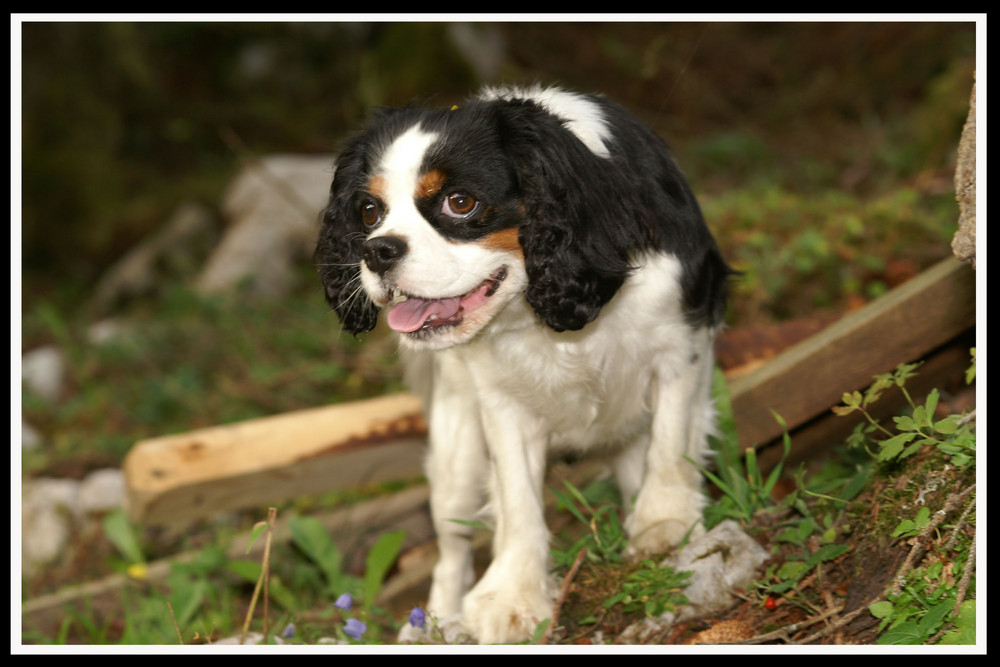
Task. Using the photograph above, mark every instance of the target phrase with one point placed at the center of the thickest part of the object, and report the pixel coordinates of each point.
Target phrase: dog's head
(445, 217)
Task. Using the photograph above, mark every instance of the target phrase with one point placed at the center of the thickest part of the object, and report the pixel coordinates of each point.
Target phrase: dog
(555, 289)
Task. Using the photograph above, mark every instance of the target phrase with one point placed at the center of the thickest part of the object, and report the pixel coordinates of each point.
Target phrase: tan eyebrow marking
(505, 240)
(377, 187)
(429, 184)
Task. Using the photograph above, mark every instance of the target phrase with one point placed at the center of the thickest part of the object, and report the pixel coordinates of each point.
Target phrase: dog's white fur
(503, 392)
(498, 405)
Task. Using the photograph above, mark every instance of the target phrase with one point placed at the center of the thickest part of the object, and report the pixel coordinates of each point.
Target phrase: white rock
(43, 538)
(50, 492)
(102, 490)
(273, 210)
(47, 506)
(104, 331)
(721, 561)
(42, 371)
(30, 437)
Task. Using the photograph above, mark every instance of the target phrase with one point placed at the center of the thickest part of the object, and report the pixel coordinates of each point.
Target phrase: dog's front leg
(456, 467)
(669, 503)
(514, 594)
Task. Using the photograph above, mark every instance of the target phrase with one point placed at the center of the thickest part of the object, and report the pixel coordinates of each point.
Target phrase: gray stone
(272, 209)
(30, 437)
(102, 490)
(42, 371)
(721, 561)
(47, 507)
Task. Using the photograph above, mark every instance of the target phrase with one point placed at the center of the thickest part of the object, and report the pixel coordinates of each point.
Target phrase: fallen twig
(839, 623)
(921, 540)
(563, 592)
(786, 632)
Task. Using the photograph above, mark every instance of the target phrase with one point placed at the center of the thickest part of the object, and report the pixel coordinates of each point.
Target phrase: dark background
(120, 121)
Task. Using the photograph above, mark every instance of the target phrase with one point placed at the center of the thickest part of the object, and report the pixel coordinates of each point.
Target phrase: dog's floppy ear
(338, 251)
(576, 236)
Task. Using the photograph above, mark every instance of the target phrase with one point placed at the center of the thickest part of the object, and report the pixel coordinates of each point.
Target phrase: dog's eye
(371, 212)
(459, 205)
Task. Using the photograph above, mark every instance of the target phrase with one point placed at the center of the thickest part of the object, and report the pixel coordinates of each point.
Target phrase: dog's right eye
(371, 212)
(459, 205)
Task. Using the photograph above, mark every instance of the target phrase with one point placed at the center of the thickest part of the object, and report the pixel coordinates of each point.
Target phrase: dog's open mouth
(417, 314)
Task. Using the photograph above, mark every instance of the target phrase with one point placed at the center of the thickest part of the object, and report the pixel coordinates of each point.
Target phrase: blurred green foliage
(120, 121)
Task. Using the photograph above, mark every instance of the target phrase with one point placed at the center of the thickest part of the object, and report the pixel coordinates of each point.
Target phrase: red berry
(770, 603)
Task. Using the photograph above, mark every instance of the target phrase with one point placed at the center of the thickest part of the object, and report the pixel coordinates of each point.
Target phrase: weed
(953, 435)
(926, 603)
(651, 590)
(605, 537)
(746, 491)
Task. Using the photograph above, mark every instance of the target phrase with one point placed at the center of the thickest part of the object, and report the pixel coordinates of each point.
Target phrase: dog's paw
(663, 519)
(505, 614)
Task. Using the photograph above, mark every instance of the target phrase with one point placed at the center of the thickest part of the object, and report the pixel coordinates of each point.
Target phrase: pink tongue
(411, 314)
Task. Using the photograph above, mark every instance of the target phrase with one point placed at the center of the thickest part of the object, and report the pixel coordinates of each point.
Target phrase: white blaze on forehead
(582, 116)
(400, 164)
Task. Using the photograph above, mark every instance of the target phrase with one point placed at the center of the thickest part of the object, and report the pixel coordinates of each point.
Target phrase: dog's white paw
(662, 519)
(505, 614)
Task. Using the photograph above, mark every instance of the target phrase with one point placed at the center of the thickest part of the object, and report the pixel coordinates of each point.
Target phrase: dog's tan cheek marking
(429, 184)
(504, 240)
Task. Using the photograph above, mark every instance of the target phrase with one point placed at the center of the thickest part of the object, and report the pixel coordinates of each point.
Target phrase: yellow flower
(138, 571)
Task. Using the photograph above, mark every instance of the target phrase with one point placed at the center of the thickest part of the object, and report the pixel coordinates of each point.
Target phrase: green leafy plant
(314, 540)
(380, 558)
(123, 535)
(953, 435)
(926, 603)
(651, 590)
(605, 538)
(920, 611)
(746, 490)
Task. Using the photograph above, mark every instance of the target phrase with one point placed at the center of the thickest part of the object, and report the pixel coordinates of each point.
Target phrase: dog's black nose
(382, 252)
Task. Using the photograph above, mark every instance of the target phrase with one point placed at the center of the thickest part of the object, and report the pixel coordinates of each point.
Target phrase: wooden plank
(261, 461)
(941, 369)
(810, 377)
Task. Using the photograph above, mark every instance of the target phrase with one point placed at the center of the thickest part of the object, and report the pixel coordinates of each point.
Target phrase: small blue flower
(355, 628)
(344, 602)
(288, 632)
(417, 617)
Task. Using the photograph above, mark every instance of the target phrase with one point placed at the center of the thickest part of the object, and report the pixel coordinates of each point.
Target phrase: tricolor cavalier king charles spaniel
(555, 290)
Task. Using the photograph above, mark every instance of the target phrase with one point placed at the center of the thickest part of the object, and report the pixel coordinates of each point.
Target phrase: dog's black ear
(338, 250)
(578, 230)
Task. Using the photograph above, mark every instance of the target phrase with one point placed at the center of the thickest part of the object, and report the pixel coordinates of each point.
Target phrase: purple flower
(344, 602)
(355, 628)
(417, 617)
(288, 632)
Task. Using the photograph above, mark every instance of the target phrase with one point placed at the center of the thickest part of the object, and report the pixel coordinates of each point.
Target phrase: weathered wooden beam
(810, 377)
(942, 368)
(261, 461)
